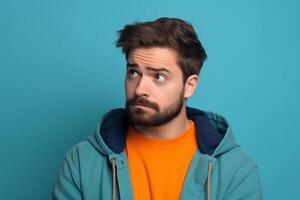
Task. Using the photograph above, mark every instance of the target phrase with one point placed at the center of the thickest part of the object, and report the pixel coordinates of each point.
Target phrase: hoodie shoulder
(237, 157)
(81, 153)
(85, 149)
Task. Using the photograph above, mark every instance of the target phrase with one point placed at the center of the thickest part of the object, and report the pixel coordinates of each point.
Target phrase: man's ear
(190, 85)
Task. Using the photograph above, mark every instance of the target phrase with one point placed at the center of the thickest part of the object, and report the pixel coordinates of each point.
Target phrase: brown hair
(166, 32)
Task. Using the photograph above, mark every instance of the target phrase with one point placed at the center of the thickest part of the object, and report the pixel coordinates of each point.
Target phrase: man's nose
(142, 88)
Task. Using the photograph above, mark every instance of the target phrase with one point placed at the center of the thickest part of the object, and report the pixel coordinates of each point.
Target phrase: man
(157, 147)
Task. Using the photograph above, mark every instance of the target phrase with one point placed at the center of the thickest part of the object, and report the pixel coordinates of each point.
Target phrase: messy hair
(166, 32)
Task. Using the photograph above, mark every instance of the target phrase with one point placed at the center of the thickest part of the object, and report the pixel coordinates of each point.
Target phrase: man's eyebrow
(158, 69)
(131, 65)
(148, 68)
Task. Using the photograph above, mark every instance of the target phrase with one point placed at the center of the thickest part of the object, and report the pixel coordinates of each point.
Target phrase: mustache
(142, 101)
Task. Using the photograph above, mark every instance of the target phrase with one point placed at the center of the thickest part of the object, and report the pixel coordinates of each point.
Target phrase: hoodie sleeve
(67, 185)
(245, 185)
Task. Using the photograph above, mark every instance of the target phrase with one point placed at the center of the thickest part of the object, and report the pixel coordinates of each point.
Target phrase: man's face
(154, 86)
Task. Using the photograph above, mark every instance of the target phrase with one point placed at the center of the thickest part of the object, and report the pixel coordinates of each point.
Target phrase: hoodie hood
(213, 132)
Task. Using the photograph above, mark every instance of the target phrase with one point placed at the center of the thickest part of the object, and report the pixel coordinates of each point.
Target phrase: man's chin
(140, 117)
(140, 120)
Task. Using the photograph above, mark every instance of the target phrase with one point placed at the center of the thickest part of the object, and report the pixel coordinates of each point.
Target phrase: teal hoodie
(97, 168)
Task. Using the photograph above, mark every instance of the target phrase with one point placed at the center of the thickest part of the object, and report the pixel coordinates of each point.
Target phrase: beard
(142, 117)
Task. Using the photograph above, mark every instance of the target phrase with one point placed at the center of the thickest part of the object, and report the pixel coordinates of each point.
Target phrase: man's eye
(159, 77)
(132, 73)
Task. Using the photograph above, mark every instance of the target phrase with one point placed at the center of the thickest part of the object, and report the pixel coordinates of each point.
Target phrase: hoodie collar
(212, 132)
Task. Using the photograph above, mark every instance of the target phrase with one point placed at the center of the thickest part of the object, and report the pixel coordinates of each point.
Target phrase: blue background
(60, 71)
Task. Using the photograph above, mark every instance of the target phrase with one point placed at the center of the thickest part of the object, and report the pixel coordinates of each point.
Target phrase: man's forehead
(154, 56)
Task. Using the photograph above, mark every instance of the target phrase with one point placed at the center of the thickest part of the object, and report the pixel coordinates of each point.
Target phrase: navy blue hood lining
(115, 124)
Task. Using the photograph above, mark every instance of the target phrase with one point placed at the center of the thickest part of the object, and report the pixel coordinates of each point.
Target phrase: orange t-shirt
(158, 167)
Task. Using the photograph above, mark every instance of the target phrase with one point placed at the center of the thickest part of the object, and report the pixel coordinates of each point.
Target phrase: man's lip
(142, 105)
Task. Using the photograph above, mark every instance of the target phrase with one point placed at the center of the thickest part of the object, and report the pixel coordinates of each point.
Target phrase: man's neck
(169, 130)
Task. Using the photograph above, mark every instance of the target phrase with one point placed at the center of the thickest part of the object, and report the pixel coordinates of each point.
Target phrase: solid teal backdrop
(60, 71)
